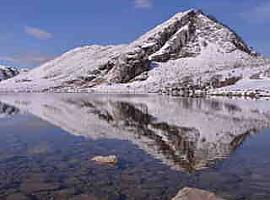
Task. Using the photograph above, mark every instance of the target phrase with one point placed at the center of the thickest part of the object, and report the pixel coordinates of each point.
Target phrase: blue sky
(34, 31)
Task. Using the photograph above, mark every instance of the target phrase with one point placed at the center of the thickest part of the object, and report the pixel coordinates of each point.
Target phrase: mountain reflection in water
(7, 110)
(185, 134)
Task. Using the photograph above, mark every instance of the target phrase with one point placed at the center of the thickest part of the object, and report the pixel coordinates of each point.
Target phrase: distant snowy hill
(8, 72)
(188, 54)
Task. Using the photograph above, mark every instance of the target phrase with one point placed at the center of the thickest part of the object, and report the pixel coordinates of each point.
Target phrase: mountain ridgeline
(190, 54)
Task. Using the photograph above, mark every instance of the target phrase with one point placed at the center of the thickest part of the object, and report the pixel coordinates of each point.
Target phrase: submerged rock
(195, 194)
(17, 196)
(106, 160)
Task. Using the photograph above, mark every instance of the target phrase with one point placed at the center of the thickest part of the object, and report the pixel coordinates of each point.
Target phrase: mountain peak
(186, 34)
(190, 11)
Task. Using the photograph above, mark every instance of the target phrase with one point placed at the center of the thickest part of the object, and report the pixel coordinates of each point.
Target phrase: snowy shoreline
(220, 94)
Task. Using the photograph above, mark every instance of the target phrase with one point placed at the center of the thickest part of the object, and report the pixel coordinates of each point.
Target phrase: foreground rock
(195, 194)
(106, 160)
(190, 54)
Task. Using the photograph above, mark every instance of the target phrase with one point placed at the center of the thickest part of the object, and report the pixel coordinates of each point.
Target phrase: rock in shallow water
(106, 160)
(195, 194)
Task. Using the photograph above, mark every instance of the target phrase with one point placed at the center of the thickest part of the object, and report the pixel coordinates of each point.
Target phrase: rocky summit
(190, 54)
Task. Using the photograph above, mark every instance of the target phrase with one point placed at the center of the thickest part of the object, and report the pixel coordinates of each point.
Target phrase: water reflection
(7, 110)
(185, 134)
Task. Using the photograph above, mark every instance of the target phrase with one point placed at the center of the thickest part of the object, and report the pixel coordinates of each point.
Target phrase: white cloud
(259, 13)
(37, 33)
(143, 3)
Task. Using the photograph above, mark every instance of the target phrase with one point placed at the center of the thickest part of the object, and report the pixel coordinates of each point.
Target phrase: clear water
(47, 142)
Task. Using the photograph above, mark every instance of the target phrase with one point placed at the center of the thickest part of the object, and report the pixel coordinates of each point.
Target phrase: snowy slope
(255, 84)
(206, 130)
(78, 63)
(190, 52)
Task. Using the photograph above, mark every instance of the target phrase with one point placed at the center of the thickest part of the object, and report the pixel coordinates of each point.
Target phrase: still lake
(163, 144)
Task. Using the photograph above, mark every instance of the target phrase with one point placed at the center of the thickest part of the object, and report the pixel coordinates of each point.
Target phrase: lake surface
(163, 144)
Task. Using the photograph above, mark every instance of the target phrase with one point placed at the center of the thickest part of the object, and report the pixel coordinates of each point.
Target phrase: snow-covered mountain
(191, 52)
(206, 130)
